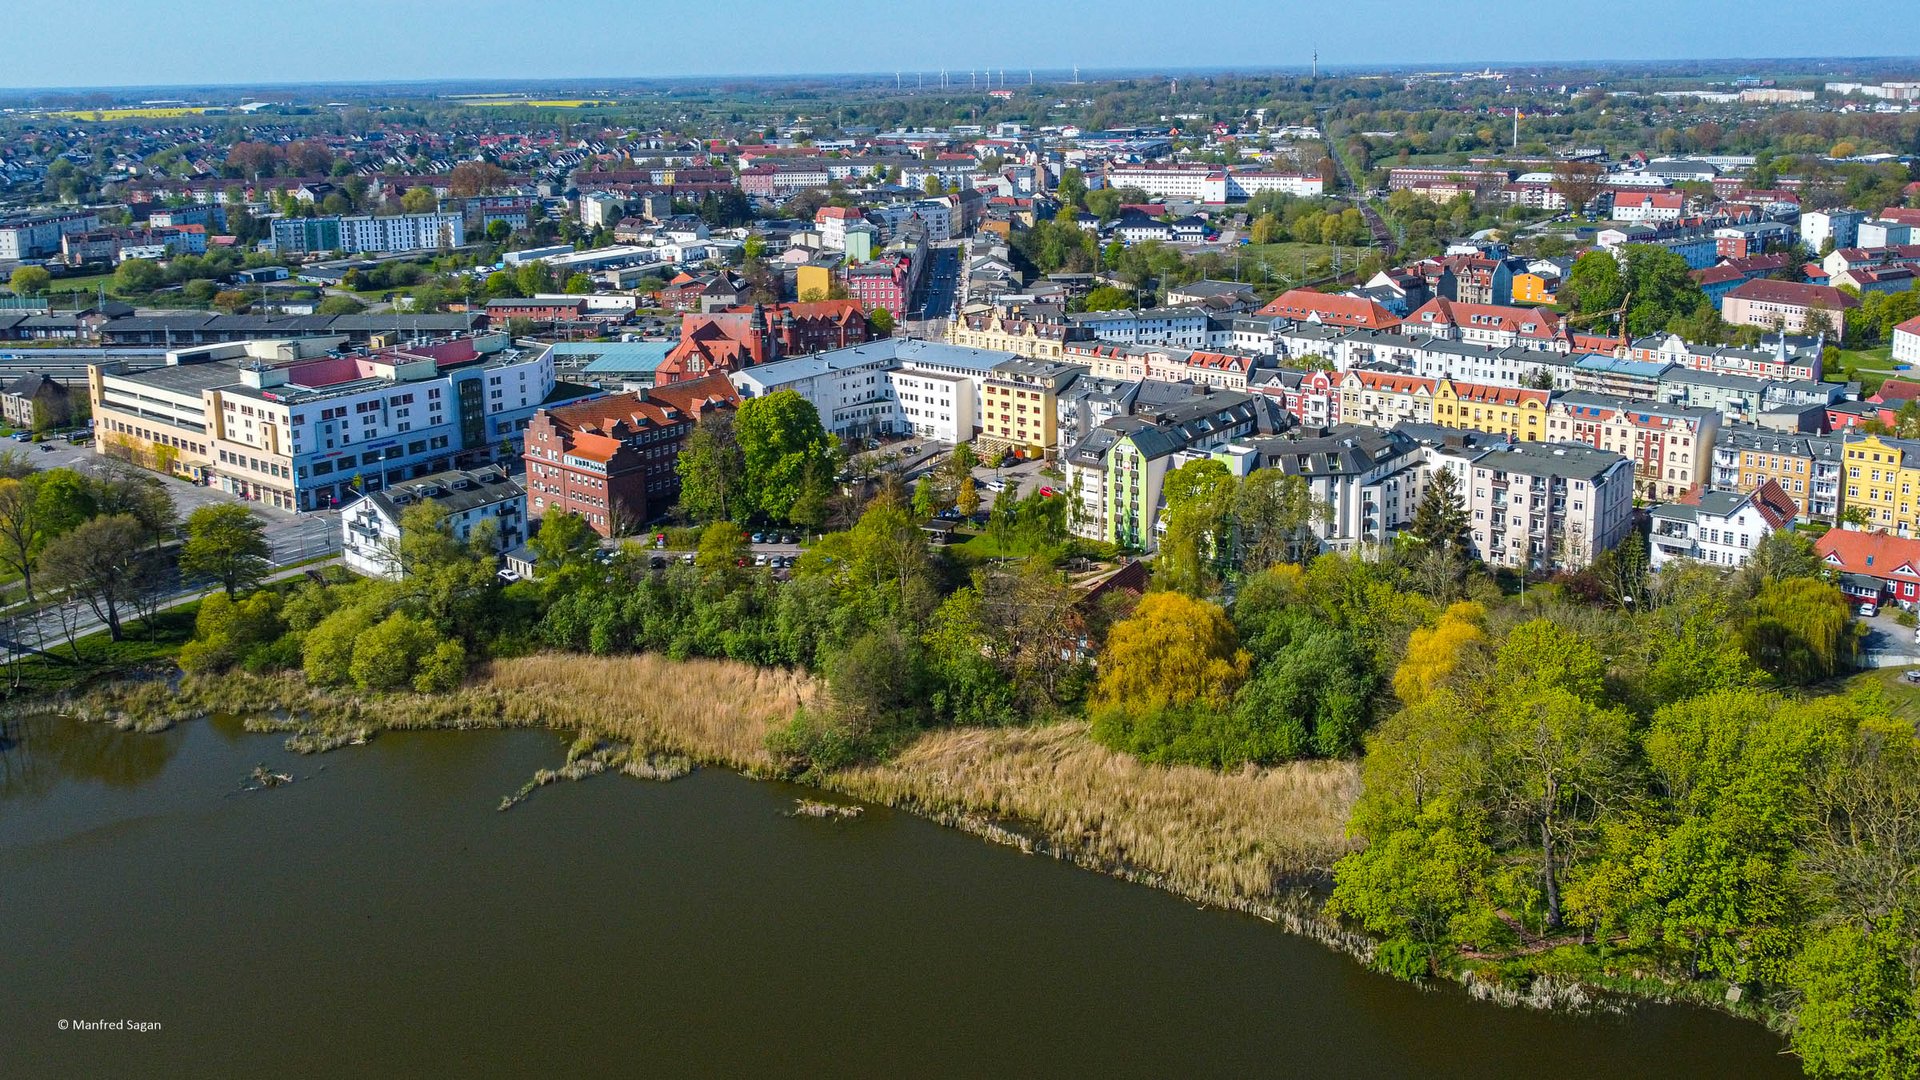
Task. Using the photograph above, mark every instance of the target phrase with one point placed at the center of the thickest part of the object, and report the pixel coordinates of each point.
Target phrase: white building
(1548, 506)
(1906, 342)
(601, 210)
(1205, 183)
(370, 526)
(856, 390)
(1721, 529)
(38, 236)
(1840, 226)
(1184, 327)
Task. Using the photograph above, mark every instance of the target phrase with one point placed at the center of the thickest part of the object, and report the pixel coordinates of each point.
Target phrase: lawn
(1870, 367)
(100, 656)
(82, 283)
(1902, 697)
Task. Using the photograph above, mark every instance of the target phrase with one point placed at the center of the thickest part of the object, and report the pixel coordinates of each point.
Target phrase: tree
(1441, 519)
(1578, 182)
(713, 472)
(419, 200)
(30, 280)
(1801, 630)
(1435, 653)
(137, 276)
(1172, 651)
(1856, 1016)
(227, 543)
(104, 563)
(1108, 298)
(578, 284)
(1198, 542)
(1594, 284)
(565, 542)
(722, 549)
(881, 320)
(470, 178)
(788, 456)
(1275, 511)
(967, 498)
(332, 305)
(21, 531)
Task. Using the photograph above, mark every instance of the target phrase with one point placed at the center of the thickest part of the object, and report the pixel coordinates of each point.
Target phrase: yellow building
(1517, 413)
(1018, 406)
(1015, 331)
(813, 281)
(1532, 288)
(1881, 476)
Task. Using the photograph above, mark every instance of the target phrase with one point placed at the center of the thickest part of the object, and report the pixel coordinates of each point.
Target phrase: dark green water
(380, 918)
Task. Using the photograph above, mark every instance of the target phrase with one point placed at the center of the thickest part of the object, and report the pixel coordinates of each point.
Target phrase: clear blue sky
(160, 42)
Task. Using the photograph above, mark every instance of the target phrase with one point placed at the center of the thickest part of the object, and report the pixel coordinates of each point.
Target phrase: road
(938, 291)
(1382, 233)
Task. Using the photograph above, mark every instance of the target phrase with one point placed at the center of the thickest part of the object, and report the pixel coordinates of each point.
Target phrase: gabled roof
(1877, 554)
(1305, 305)
(1794, 293)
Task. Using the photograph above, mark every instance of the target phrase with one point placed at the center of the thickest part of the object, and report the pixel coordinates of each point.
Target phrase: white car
(1869, 609)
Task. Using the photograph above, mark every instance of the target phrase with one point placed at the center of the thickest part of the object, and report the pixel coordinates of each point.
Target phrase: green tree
(1857, 1010)
(1801, 630)
(881, 320)
(419, 200)
(339, 305)
(137, 276)
(713, 472)
(1108, 298)
(1275, 512)
(788, 455)
(105, 563)
(1440, 519)
(227, 543)
(579, 284)
(30, 280)
(564, 543)
(1594, 284)
(388, 655)
(22, 528)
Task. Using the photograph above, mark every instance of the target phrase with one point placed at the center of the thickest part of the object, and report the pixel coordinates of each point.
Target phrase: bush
(442, 669)
(327, 653)
(388, 656)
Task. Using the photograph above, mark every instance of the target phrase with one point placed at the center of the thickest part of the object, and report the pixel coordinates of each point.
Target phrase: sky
(73, 43)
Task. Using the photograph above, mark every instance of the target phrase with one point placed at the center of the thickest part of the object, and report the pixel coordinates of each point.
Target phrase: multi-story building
(1024, 330)
(1719, 528)
(1872, 567)
(1204, 183)
(1018, 407)
(1788, 306)
(1131, 456)
(935, 405)
(1487, 324)
(1906, 341)
(1548, 506)
(1517, 413)
(366, 232)
(37, 236)
(1185, 327)
(1807, 467)
(1649, 207)
(1366, 479)
(856, 394)
(306, 424)
(1820, 229)
(1671, 446)
(1384, 398)
(1880, 478)
(613, 461)
(370, 526)
(1307, 306)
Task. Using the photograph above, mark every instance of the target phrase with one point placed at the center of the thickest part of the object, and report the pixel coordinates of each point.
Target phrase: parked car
(1869, 609)
(759, 538)
(658, 562)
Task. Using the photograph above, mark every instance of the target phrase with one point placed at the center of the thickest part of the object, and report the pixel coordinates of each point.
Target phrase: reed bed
(1251, 835)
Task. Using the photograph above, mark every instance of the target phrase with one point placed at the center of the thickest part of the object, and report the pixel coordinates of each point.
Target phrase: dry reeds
(1251, 834)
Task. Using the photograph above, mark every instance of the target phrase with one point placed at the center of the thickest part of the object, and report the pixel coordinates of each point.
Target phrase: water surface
(380, 918)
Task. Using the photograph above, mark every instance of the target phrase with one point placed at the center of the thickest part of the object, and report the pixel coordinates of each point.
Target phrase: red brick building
(543, 311)
(727, 341)
(612, 460)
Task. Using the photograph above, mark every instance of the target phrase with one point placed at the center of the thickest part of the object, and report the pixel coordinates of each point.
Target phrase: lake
(381, 918)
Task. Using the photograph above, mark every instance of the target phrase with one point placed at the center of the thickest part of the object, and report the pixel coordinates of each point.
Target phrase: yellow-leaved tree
(1434, 652)
(1173, 651)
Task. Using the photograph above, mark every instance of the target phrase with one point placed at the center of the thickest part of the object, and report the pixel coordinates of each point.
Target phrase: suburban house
(1873, 567)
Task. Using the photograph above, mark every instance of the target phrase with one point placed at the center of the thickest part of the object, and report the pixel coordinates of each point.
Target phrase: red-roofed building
(613, 460)
(1488, 324)
(1787, 304)
(1305, 305)
(1649, 207)
(743, 336)
(1872, 566)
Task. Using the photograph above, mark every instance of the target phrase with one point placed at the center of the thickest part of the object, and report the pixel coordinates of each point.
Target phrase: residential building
(1906, 342)
(934, 405)
(370, 526)
(37, 236)
(1648, 207)
(34, 402)
(1872, 567)
(1132, 455)
(1186, 327)
(1018, 410)
(613, 461)
(1822, 230)
(856, 395)
(1368, 478)
(1808, 468)
(1881, 474)
(1548, 506)
(366, 232)
(1487, 324)
(1305, 305)
(1025, 330)
(1384, 398)
(1719, 528)
(1671, 446)
(1518, 413)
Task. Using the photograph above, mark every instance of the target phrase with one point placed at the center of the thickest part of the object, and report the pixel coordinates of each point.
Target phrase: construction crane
(1620, 311)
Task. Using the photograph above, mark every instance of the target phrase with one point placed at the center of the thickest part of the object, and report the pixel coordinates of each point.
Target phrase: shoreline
(1042, 790)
